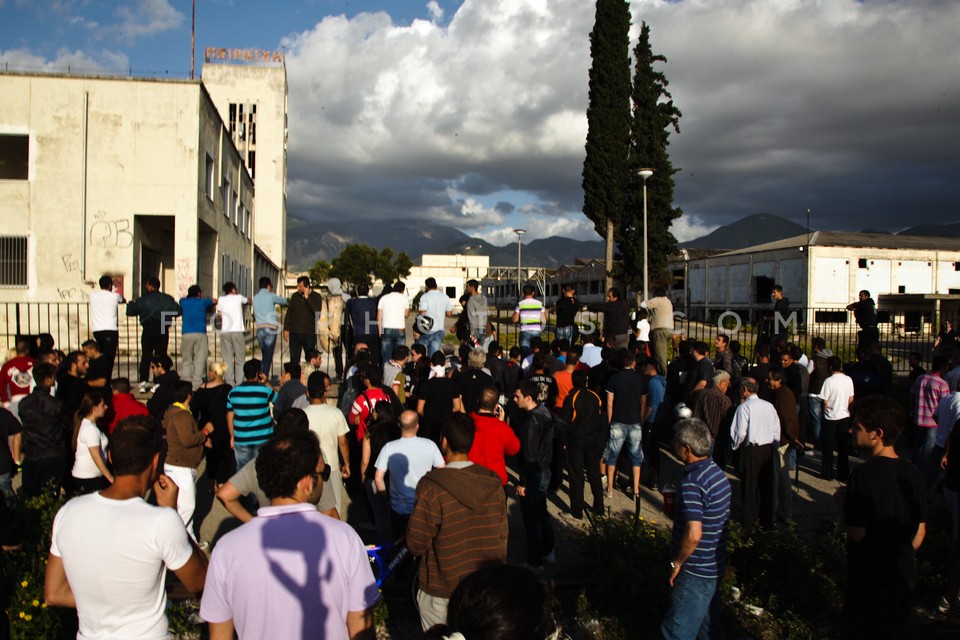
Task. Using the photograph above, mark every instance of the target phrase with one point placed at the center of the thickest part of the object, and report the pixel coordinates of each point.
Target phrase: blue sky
(472, 112)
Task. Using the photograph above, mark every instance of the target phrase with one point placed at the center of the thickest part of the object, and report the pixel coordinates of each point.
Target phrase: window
(208, 178)
(226, 199)
(14, 157)
(862, 263)
(246, 222)
(235, 208)
(824, 317)
(901, 289)
(252, 163)
(13, 261)
(451, 292)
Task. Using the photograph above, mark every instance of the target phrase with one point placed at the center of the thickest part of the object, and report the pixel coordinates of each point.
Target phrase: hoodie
(459, 524)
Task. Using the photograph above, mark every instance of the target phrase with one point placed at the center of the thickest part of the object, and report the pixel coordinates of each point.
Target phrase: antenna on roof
(193, 33)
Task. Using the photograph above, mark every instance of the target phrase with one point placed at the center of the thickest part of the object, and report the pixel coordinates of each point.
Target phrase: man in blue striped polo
(699, 541)
(248, 413)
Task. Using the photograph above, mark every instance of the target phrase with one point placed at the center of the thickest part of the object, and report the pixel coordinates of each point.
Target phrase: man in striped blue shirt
(699, 544)
(248, 413)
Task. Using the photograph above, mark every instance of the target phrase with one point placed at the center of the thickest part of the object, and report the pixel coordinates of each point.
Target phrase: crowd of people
(423, 432)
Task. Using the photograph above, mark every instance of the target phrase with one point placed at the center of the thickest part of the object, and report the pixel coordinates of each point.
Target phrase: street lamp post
(645, 173)
(519, 233)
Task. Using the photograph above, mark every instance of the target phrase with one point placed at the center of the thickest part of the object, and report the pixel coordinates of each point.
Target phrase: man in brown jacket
(459, 522)
(785, 403)
(185, 444)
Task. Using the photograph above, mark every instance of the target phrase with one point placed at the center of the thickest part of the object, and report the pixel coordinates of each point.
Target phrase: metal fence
(902, 331)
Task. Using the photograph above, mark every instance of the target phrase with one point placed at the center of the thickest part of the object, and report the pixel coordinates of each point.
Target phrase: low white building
(913, 276)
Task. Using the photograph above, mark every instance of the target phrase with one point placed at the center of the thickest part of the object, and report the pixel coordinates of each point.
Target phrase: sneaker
(550, 558)
(143, 387)
(608, 493)
(154, 388)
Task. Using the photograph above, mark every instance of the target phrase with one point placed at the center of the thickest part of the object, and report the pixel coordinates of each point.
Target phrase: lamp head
(645, 173)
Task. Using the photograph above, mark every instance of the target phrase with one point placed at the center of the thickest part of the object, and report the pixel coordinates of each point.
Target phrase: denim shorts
(619, 432)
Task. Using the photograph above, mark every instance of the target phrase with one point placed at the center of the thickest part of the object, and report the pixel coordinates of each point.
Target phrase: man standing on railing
(156, 311)
(193, 343)
(661, 327)
(865, 313)
(265, 319)
(233, 344)
(300, 323)
(103, 318)
(531, 316)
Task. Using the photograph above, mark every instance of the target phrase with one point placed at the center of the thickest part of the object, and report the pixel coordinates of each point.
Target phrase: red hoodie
(16, 377)
(124, 406)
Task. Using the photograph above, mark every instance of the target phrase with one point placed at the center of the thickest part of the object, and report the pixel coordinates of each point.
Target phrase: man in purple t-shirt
(291, 572)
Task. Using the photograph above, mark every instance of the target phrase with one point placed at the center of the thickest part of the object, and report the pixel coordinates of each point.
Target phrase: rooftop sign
(212, 54)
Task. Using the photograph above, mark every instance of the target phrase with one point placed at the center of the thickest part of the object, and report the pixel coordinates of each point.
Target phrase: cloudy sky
(472, 112)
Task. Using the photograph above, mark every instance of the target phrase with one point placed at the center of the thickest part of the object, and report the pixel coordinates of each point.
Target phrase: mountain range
(309, 242)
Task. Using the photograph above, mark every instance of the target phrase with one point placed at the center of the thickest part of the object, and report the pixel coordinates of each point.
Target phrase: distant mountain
(309, 242)
(936, 230)
(747, 232)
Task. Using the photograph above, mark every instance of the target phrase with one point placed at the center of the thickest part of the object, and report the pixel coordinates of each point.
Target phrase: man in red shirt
(124, 404)
(493, 440)
(16, 377)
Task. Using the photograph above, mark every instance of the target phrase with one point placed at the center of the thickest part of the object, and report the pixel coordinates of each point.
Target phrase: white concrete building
(825, 271)
(450, 271)
(252, 99)
(127, 177)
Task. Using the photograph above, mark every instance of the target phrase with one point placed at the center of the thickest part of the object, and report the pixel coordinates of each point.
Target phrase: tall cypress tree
(605, 168)
(654, 115)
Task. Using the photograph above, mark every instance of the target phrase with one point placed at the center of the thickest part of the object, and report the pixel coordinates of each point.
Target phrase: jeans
(922, 456)
(565, 332)
(6, 484)
(693, 610)
(816, 417)
(301, 342)
(619, 432)
(432, 341)
(245, 453)
(536, 519)
(390, 339)
(525, 338)
(267, 339)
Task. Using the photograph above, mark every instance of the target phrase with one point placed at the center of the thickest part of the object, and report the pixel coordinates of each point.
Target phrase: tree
(319, 273)
(605, 168)
(654, 114)
(360, 263)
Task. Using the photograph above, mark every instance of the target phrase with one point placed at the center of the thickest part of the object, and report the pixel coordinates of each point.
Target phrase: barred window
(13, 261)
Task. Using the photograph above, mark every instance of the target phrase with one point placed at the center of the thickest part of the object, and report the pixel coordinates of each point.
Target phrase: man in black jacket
(582, 410)
(300, 322)
(536, 453)
(156, 311)
(45, 435)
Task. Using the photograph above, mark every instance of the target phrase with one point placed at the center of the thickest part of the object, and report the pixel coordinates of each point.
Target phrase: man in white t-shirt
(407, 459)
(331, 427)
(392, 312)
(109, 551)
(233, 346)
(434, 308)
(837, 396)
(103, 318)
